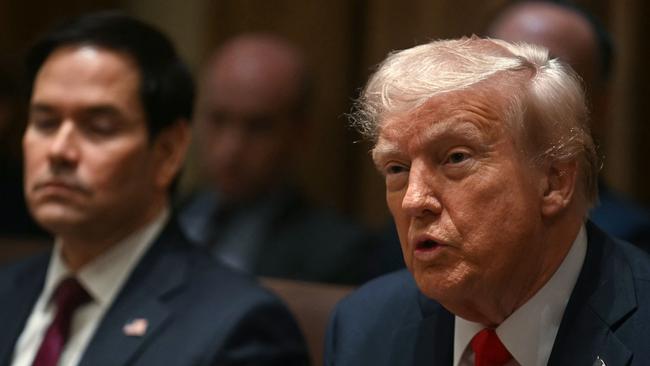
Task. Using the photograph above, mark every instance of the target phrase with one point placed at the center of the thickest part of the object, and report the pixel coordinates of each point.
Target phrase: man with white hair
(490, 171)
(577, 38)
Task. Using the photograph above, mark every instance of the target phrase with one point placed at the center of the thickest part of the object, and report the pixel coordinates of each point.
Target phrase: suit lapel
(161, 271)
(604, 295)
(428, 341)
(17, 300)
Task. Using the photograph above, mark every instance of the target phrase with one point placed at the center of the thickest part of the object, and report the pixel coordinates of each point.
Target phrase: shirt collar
(105, 275)
(529, 332)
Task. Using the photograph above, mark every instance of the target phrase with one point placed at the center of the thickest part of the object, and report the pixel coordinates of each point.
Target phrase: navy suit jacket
(296, 240)
(621, 217)
(199, 313)
(390, 322)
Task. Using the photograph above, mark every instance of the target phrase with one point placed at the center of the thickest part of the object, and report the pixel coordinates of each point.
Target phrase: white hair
(546, 107)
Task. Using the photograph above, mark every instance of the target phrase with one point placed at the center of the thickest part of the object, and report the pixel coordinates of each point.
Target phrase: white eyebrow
(384, 148)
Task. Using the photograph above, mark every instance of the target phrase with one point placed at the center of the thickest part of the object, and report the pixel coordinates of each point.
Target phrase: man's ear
(560, 182)
(170, 148)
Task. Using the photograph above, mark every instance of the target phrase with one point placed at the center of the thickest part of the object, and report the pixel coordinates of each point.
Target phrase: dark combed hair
(166, 85)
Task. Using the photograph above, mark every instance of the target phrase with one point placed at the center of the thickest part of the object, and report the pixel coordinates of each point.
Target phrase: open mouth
(426, 245)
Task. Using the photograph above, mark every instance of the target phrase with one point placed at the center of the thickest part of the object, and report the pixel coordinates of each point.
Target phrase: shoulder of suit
(216, 282)
(637, 259)
(384, 293)
(24, 267)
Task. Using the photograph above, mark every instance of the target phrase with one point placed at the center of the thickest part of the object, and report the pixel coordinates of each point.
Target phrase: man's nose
(232, 141)
(63, 150)
(421, 198)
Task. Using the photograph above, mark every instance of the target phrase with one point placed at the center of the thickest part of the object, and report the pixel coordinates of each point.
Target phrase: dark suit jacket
(297, 241)
(390, 322)
(621, 217)
(199, 313)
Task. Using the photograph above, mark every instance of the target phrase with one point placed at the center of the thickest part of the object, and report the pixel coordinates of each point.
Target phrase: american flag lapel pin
(599, 362)
(136, 327)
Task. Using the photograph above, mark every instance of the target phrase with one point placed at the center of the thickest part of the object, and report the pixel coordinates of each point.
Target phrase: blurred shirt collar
(105, 275)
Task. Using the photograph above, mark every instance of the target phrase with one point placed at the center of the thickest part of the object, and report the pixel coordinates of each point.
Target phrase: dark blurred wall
(629, 158)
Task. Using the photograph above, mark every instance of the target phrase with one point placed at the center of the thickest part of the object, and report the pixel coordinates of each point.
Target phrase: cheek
(110, 173)
(499, 212)
(212, 146)
(402, 221)
(266, 154)
(35, 158)
(394, 203)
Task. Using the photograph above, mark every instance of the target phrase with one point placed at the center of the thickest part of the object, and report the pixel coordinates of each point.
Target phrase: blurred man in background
(252, 122)
(107, 133)
(578, 38)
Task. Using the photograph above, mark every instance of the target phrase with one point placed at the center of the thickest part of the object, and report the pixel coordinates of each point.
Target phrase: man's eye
(100, 124)
(396, 176)
(395, 169)
(101, 127)
(262, 125)
(457, 157)
(44, 124)
(217, 120)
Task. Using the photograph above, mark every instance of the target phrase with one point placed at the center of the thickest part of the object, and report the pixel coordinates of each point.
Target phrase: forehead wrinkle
(451, 130)
(427, 125)
(468, 106)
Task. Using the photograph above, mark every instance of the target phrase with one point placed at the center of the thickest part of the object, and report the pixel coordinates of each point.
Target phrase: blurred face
(568, 36)
(465, 200)
(89, 168)
(247, 132)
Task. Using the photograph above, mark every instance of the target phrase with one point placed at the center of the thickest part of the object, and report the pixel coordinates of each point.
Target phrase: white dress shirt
(529, 332)
(102, 279)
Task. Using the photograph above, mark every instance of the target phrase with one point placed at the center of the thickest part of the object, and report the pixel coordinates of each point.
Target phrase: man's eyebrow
(93, 110)
(102, 110)
(384, 149)
(40, 108)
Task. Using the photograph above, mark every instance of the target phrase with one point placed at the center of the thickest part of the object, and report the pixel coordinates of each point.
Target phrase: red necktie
(68, 296)
(488, 349)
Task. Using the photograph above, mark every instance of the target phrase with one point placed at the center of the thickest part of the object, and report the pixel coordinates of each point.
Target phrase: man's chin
(435, 284)
(57, 218)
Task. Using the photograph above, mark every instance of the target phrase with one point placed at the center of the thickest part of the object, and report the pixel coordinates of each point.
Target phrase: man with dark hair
(490, 171)
(108, 129)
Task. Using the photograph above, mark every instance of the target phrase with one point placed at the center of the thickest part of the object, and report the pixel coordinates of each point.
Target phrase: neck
(78, 248)
(561, 238)
(496, 305)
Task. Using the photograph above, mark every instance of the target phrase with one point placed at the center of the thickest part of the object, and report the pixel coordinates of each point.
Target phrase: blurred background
(343, 40)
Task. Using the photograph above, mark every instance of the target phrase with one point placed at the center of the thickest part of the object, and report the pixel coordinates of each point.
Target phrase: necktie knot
(488, 349)
(70, 295)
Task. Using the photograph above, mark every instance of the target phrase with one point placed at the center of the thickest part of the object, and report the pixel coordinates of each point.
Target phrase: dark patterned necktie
(488, 349)
(68, 297)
